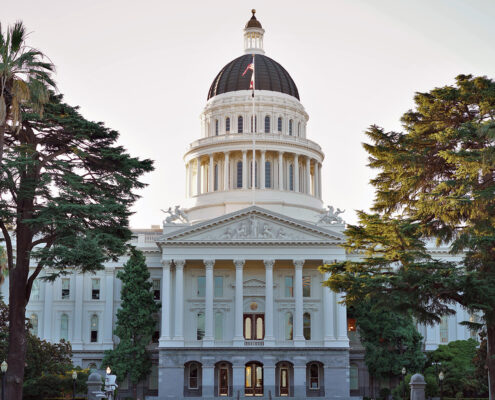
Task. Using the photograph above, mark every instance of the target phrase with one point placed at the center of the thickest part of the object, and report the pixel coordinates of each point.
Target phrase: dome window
(240, 124)
(299, 129)
(215, 179)
(279, 125)
(239, 175)
(291, 177)
(216, 127)
(267, 124)
(290, 127)
(227, 124)
(268, 174)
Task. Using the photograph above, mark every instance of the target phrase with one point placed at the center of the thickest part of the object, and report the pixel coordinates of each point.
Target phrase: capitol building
(235, 267)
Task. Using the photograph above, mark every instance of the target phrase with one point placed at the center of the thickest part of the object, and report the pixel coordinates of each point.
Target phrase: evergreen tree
(435, 181)
(65, 198)
(135, 323)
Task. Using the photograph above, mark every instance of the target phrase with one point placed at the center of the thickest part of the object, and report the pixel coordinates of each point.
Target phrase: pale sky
(145, 67)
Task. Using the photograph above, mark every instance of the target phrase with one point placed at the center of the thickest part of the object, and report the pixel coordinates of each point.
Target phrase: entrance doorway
(254, 326)
(284, 381)
(254, 379)
(223, 381)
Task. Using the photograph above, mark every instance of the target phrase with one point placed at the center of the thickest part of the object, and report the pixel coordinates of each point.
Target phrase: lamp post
(74, 379)
(403, 382)
(3, 368)
(440, 378)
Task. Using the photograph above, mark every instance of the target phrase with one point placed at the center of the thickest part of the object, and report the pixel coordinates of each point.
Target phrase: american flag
(250, 67)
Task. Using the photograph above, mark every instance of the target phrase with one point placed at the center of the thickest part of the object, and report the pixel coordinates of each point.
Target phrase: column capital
(269, 263)
(179, 264)
(262, 151)
(209, 263)
(326, 262)
(298, 264)
(244, 152)
(239, 264)
(166, 264)
(281, 153)
(226, 153)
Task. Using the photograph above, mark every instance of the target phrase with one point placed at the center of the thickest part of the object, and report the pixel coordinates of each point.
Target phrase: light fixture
(4, 367)
(441, 376)
(74, 375)
(404, 370)
(108, 370)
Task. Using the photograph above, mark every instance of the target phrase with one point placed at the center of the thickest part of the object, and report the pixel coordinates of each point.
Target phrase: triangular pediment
(253, 225)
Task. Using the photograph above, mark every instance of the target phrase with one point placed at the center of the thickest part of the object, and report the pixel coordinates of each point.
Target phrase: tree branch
(8, 242)
(34, 275)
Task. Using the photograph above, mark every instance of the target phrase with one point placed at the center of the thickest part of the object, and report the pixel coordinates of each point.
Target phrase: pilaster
(239, 298)
(166, 299)
(179, 302)
(269, 338)
(208, 340)
(299, 340)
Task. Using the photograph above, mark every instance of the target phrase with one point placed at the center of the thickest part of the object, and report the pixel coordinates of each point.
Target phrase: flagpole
(253, 128)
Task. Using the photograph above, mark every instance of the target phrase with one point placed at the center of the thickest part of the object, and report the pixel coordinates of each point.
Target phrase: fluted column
(269, 338)
(166, 303)
(208, 340)
(262, 169)
(342, 320)
(296, 172)
(280, 170)
(298, 317)
(198, 176)
(307, 188)
(210, 174)
(226, 168)
(239, 298)
(179, 301)
(328, 312)
(244, 169)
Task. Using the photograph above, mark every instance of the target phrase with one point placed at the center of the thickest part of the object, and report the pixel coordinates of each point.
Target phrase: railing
(254, 343)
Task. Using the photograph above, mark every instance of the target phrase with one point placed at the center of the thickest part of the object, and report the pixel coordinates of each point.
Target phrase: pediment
(253, 225)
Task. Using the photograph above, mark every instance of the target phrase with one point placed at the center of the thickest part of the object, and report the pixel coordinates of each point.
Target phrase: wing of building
(236, 269)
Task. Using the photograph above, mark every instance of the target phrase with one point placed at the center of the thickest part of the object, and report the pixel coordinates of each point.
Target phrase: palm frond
(18, 36)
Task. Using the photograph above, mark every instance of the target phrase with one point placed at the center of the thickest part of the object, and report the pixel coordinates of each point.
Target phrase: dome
(270, 75)
(253, 22)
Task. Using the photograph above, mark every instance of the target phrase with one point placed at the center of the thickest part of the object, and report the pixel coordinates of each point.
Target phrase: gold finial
(253, 11)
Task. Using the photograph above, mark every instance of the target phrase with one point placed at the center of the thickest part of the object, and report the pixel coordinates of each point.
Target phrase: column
(210, 175)
(298, 317)
(166, 303)
(108, 319)
(316, 180)
(198, 176)
(179, 301)
(307, 188)
(226, 168)
(244, 169)
(208, 340)
(262, 169)
(78, 305)
(296, 173)
(319, 181)
(239, 298)
(48, 311)
(342, 321)
(269, 338)
(328, 312)
(280, 170)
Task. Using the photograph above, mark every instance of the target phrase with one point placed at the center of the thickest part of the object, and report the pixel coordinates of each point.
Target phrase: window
(290, 127)
(193, 376)
(64, 327)
(215, 178)
(289, 325)
(95, 289)
(200, 330)
(351, 324)
(279, 124)
(306, 286)
(153, 377)
(267, 124)
(239, 174)
(124, 385)
(65, 288)
(227, 124)
(255, 124)
(35, 290)
(218, 326)
(254, 327)
(239, 124)
(201, 286)
(94, 328)
(307, 326)
(156, 289)
(289, 286)
(268, 174)
(218, 286)
(354, 384)
(156, 333)
(34, 324)
(216, 127)
(299, 129)
(314, 376)
(444, 330)
(291, 177)
(473, 333)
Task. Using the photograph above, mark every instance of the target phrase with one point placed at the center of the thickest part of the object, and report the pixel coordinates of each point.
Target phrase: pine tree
(435, 181)
(135, 323)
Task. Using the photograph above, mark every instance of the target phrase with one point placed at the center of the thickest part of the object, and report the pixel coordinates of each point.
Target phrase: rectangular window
(153, 377)
(218, 286)
(35, 290)
(227, 124)
(268, 174)
(95, 289)
(289, 286)
(216, 127)
(279, 124)
(200, 330)
(201, 292)
(306, 286)
(94, 336)
(156, 289)
(354, 375)
(65, 288)
(239, 174)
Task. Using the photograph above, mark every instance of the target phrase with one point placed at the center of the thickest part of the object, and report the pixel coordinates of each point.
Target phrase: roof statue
(176, 216)
(331, 216)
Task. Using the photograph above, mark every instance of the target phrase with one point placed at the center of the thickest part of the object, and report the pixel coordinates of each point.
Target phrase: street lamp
(108, 370)
(74, 379)
(403, 382)
(440, 378)
(3, 368)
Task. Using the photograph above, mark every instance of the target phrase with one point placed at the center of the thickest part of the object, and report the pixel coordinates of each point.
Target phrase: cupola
(253, 36)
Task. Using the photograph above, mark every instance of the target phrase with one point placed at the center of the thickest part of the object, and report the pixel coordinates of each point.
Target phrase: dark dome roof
(270, 75)
(253, 22)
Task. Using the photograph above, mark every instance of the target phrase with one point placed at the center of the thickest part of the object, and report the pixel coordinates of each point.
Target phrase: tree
(435, 182)
(24, 76)
(135, 323)
(66, 192)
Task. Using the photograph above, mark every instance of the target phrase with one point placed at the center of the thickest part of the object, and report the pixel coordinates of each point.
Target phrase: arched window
(218, 326)
(268, 174)
(267, 124)
(239, 174)
(279, 124)
(255, 124)
(34, 324)
(193, 376)
(216, 127)
(94, 328)
(444, 330)
(227, 124)
(248, 328)
(288, 326)
(299, 129)
(240, 124)
(291, 177)
(215, 178)
(64, 327)
(307, 326)
(354, 372)
(200, 329)
(314, 376)
(290, 127)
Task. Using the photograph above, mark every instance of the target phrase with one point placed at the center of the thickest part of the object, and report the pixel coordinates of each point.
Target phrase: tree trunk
(490, 354)
(134, 389)
(3, 127)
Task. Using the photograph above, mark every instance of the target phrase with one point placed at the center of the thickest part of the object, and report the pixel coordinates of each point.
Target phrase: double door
(254, 380)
